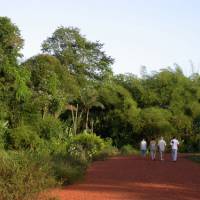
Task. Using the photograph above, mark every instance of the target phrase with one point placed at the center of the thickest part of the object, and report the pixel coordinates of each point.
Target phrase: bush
(65, 168)
(107, 151)
(22, 137)
(195, 158)
(85, 146)
(66, 172)
(191, 144)
(128, 150)
(23, 175)
(56, 146)
(50, 127)
(3, 129)
(51, 147)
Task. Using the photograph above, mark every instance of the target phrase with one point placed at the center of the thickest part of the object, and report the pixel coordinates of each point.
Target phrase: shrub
(3, 129)
(195, 158)
(50, 127)
(128, 150)
(77, 154)
(22, 137)
(85, 146)
(107, 151)
(56, 146)
(65, 168)
(66, 173)
(23, 175)
(191, 144)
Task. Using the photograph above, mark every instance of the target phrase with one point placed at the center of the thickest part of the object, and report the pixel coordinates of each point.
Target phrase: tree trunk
(92, 124)
(73, 120)
(76, 120)
(87, 117)
(44, 111)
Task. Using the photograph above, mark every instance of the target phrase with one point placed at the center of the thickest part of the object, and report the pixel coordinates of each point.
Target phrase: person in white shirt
(143, 147)
(161, 146)
(174, 144)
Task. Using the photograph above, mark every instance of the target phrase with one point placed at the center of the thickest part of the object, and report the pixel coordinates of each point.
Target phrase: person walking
(174, 144)
(153, 149)
(143, 147)
(161, 146)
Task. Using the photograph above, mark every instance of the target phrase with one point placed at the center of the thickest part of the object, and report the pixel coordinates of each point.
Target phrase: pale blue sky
(154, 33)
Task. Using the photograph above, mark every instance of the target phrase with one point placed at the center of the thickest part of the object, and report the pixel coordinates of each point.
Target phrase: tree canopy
(79, 55)
(71, 87)
(10, 42)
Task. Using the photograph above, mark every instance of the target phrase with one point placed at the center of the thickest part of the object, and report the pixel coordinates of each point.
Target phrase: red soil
(134, 178)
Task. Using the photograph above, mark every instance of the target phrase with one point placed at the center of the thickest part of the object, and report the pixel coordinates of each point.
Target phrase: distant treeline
(71, 87)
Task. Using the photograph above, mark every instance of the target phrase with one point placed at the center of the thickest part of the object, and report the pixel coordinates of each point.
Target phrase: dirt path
(133, 178)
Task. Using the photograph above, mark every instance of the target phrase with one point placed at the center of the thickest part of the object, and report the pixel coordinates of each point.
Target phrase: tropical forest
(65, 107)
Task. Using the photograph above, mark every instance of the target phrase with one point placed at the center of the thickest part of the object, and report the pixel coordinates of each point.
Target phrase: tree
(80, 56)
(10, 42)
(52, 84)
(14, 91)
(89, 98)
(155, 122)
(118, 119)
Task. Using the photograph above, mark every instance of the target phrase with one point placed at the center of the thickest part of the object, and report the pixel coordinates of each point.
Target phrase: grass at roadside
(129, 150)
(195, 158)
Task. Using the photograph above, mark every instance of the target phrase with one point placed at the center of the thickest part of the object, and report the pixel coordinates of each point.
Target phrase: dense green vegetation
(48, 100)
(195, 158)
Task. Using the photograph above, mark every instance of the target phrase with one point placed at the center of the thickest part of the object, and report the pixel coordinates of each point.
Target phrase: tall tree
(14, 91)
(51, 83)
(80, 55)
(10, 42)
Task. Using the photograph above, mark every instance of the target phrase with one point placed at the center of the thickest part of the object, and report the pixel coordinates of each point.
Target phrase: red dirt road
(134, 178)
